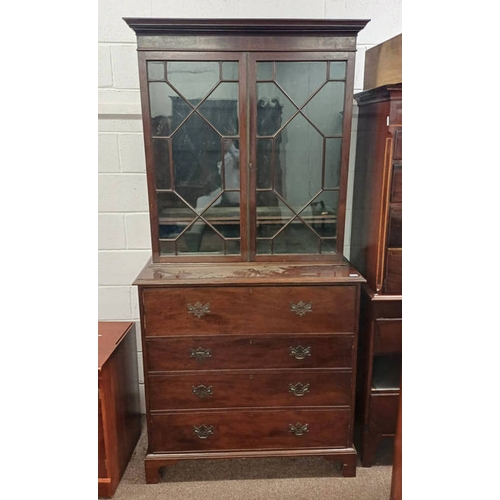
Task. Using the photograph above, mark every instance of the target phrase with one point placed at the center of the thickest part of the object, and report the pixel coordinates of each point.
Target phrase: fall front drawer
(257, 388)
(256, 310)
(247, 430)
(239, 352)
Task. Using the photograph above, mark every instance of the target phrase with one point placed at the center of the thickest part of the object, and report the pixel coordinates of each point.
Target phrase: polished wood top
(247, 273)
(110, 334)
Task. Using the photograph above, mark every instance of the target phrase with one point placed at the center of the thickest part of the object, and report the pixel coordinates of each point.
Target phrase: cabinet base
(154, 462)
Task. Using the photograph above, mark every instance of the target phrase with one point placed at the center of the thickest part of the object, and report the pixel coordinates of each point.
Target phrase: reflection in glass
(269, 97)
(221, 108)
(193, 79)
(296, 238)
(300, 79)
(332, 162)
(161, 96)
(156, 70)
(301, 152)
(162, 163)
(266, 156)
(321, 214)
(195, 145)
(196, 152)
(326, 108)
(298, 171)
(328, 246)
(200, 238)
(271, 218)
(337, 70)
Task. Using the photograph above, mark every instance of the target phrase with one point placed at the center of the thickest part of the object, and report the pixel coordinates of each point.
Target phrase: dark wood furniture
(376, 250)
(248, 307)
(397, 468)
(119, 414)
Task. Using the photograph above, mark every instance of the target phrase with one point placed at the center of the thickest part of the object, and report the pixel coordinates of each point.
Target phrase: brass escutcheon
(198, 309)
(301, 308)
(202, 391)
(200, 353)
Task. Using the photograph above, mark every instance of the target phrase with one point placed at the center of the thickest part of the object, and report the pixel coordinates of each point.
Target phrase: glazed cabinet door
(299, 132)
(194, 119)
(247, 153)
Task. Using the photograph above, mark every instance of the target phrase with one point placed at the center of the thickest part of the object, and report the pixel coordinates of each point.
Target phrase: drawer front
(393, 278)
(247, 430)
(388, 336)
(397, 183)
(249, 389)
(241, 352)
(398, 145)
(395, 237)
(384, 412)
(256, 310)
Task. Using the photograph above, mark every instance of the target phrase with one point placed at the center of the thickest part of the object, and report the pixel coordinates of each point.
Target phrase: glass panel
(301, 151)
(221, 108)
(230, 70)
(328, 246)
(264, 71)
(300, 79)
(296, 238)
(233, 247)
(332, 162)
(231, 172)
(321, 214)
(326, 109)
(173, 215)
(273, 109)
(196, 150)
(167, 247)
(337, 70)
(167, 109)
(264, 246)
(196, 153)
(267, 159)
(200, 238)
(193, 79)
(156, 70)
(162, 163)
(272, 214)
(225, 219)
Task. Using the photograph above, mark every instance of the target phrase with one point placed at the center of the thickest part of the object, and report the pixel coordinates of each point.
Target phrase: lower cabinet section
(249, 430)
(250, 368)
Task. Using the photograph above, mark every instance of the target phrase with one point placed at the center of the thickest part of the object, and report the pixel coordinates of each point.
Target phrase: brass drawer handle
(203, 431)
(300, 352)
(200, 354)
(298, 389)
(202, 391)
(298, 429)
(300, 308)
(198, 309)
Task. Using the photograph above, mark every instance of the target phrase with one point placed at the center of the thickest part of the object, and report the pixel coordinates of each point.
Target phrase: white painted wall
(123, 224)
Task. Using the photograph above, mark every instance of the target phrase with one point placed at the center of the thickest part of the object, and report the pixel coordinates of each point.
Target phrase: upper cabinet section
(247, 131)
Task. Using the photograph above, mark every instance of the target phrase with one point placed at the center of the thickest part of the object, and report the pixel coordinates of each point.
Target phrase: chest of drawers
(247, 361)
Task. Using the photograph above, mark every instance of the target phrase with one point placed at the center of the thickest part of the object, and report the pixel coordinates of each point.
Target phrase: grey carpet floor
(300, 478)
